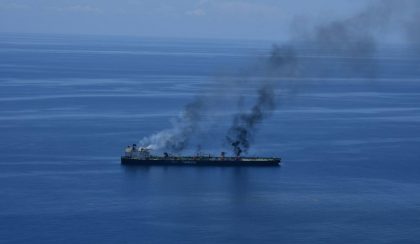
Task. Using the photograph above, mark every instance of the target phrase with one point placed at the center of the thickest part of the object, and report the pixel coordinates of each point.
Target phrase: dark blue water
(69, 105)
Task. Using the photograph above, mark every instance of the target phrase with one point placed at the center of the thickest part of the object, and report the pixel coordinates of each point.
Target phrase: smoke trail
(183, 128)
(354, 38)
(241, 133)
(188, 123)
(411, 25)
(282, 62)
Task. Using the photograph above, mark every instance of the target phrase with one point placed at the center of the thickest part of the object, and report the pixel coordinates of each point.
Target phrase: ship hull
(177, 162)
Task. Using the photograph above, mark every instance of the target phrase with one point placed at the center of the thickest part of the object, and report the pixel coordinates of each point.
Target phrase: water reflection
(195, 185)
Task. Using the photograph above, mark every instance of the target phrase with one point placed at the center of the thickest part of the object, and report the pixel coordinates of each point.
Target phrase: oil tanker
(143, 156)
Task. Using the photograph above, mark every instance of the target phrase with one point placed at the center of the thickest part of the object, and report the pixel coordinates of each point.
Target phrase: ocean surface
(349, 137)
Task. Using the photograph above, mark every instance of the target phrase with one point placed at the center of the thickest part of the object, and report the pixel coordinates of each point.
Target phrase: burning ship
(142, 156)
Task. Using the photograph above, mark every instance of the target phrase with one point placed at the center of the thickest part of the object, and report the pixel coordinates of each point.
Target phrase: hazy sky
(250, 19)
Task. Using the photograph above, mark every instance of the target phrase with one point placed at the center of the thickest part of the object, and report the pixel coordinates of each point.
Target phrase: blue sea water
(69, 104)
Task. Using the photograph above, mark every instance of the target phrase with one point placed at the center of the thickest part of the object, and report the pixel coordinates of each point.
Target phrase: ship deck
(199, 160)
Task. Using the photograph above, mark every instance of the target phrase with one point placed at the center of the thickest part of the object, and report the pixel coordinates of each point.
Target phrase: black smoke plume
(281, 62)
(241, 133)
(353, 38)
